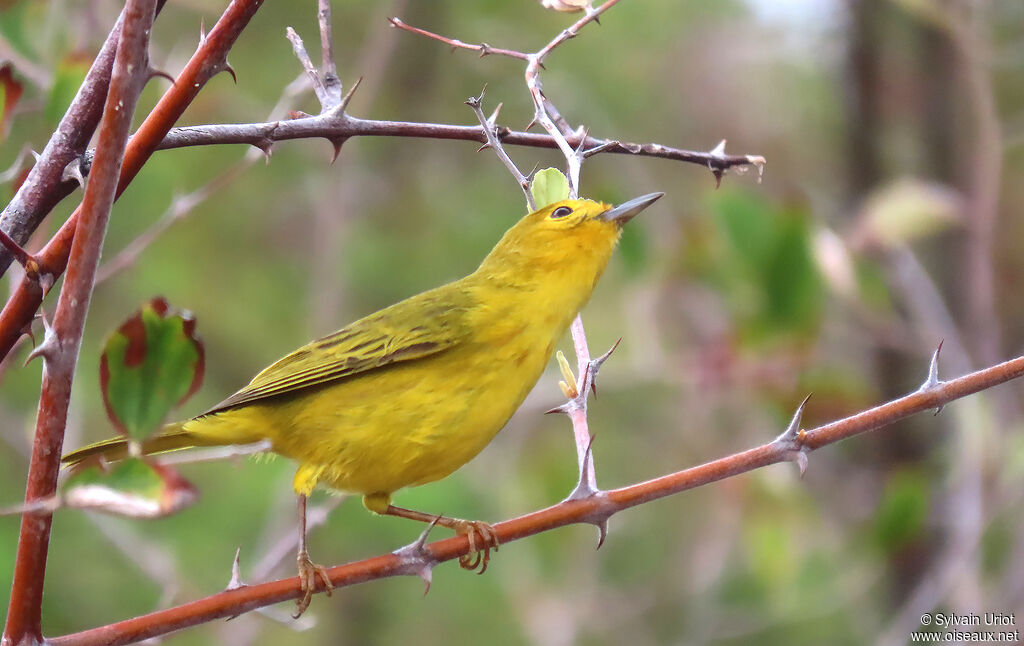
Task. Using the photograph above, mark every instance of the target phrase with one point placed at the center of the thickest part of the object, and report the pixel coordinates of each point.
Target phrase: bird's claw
(477, 557)
(308, 573)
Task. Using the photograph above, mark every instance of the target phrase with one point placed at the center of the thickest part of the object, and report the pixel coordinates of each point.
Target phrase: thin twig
(60, 348)
(483, 48)
(307, 65)
(45, 187)
(534, 63)
(588, 510)
(493, 142)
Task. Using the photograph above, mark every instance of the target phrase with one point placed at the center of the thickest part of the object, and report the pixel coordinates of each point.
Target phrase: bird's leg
(308, 570)
(477, 557)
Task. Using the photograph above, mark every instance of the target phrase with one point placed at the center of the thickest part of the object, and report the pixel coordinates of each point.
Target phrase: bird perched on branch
(407, 395)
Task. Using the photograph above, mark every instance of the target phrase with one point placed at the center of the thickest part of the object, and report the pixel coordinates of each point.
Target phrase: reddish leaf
(134, 487)
(150, 365)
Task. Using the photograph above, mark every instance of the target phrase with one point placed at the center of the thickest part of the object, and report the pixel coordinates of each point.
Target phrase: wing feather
(418, 327)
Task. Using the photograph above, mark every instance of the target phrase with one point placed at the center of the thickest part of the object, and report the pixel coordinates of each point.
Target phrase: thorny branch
(343, 126)
(791, 445)
(210, 58)
(45, 185)
(577, 145)
(60, 347)
(488, 125)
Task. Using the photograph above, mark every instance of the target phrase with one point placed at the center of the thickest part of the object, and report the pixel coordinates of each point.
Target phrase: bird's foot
(477, 556)
(308, 573)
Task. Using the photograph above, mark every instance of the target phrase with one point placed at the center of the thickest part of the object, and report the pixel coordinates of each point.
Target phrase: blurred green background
(888, 220)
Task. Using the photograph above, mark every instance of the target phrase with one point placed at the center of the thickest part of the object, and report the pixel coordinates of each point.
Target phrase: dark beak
(626, 211)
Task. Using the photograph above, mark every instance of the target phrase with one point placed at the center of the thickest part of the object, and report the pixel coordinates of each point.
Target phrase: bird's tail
(171, 438)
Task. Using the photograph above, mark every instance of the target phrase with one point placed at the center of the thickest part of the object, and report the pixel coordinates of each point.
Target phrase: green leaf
(133, 487)
(549, 186)
(151, 364)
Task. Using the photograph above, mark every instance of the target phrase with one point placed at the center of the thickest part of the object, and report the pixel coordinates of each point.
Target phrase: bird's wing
(421, 326)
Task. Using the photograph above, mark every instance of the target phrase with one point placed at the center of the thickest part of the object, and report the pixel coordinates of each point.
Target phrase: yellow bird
(407, 395)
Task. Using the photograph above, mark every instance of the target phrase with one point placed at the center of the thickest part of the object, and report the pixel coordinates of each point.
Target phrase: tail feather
(172, 438)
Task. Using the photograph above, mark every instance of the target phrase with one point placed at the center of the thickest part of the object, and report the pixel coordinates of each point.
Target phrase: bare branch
(300, 53)
(349, 126)
(128, 76)
(586, 510)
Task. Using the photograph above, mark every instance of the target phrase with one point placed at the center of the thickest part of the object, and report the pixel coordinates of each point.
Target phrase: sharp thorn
(230, 70)
(154, 73)
(267, 146)
(791, 432)
(236, 576)
(348, 96)
(602, 532)
(73, 171)
(598, 362)
(493, 119)
(46, 346)
(932, 380)
(417, 560)
(336, 144)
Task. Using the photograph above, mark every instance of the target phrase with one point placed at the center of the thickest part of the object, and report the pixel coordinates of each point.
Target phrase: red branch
(60, 348)
(593, 509)
(209, 59)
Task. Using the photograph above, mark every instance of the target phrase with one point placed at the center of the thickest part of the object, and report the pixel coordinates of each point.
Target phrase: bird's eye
(560, 212)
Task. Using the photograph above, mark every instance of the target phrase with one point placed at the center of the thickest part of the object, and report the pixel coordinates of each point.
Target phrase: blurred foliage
(730, 306)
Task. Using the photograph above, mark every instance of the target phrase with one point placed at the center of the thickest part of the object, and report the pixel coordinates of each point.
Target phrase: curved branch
(592, 509)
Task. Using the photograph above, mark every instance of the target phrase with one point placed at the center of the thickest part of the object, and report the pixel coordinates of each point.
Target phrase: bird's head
(569, 240)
